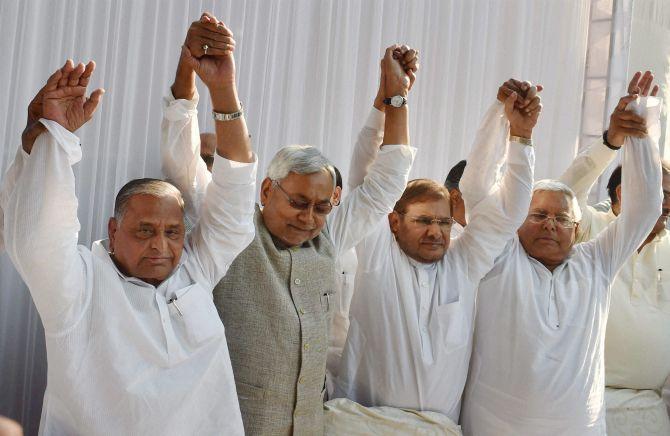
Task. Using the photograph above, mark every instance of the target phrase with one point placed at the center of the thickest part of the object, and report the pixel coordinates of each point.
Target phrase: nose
(307, 216)
(549, 223)
(159, 242)
(434, 230)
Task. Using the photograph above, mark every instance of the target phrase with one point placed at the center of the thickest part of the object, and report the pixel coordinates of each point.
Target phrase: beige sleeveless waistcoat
(275, 305)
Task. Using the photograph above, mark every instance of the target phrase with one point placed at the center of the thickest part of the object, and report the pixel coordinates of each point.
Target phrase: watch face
(397, 101)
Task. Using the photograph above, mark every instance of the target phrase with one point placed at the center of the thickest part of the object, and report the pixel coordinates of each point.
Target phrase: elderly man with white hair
(134, 342)
(637, 343)
(276, 300)
(537, 364)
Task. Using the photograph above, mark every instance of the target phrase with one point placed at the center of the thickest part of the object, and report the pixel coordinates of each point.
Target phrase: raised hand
(67, 76)
(69, 107)
(522, 116)
(396, 80)
(626, 123)
(409, 59)
(215, 66)
(525, 91)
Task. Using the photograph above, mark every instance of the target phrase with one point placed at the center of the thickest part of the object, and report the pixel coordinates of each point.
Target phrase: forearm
(362, 210)
(184, 83)
(366, 149)
(586, 168)
(396, 126)
(180, 151)
(485, 157)
(517, 182)
(41, 226)
(232, 137)
(226, 223)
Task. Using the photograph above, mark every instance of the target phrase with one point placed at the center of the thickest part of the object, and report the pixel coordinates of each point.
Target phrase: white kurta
(410, 334)
(537, 364)
(637, 342)
(121, 358)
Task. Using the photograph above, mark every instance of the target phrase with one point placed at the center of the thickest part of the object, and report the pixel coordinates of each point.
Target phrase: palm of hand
(66, 108)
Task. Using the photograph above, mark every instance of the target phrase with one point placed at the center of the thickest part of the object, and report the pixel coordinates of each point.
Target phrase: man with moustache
(413, 307)
(537, 362)
(276, 300)
(637, 343)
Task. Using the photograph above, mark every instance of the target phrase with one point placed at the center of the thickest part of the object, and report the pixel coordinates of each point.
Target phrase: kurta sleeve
(366, 206)
(485, 158)
(225, 226)
(367, 146)
(41, 227)
(497, 204)
(496, 218)
(8, 184)
(640, 193)
(581, 175)
(180, 152)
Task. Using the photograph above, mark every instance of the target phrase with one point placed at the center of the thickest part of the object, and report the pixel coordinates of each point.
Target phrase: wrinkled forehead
(554, 202)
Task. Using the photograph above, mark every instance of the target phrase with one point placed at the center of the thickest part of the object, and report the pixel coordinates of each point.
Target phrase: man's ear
(266, 187)
(112, 227)
(337, 196)
(618, 194)
(394, 222)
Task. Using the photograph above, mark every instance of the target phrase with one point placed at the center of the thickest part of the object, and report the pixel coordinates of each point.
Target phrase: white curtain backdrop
(307, 73)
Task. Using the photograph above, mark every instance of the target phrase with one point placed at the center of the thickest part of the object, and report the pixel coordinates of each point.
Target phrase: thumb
(92, 102)
(509, 102)
(188, 58)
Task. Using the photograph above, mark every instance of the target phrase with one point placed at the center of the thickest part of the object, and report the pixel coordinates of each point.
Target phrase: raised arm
(495, 218)
(487, 155)
(225, 225)
(368, 204)
(641, 193)
(371, 136)
(41, 225)
(590, 164)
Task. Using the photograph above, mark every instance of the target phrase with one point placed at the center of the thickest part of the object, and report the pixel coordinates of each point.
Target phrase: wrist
(183, 87)
(612, 142)
(521, 132)
(225, 100)
(30, 134)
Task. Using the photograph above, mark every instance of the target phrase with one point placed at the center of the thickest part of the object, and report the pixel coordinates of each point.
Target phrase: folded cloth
(635, 412)
(345, 417)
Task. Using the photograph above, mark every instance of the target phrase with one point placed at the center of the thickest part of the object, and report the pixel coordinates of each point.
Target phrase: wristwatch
(396, 101)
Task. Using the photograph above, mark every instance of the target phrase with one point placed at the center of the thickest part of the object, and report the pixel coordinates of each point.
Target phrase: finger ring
(205, 47)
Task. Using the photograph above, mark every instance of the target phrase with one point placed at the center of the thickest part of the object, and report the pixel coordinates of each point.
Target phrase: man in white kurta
(410, 334)
(126, 356)
(537, 363)
(637, 343)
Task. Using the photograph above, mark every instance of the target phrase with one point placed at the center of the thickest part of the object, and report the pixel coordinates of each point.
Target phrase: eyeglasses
(427, 221)
(560, 220)
(323, 208)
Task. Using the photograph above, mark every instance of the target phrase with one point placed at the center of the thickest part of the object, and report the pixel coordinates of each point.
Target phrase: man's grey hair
(154, 187)
(558, 186)
(299, 159)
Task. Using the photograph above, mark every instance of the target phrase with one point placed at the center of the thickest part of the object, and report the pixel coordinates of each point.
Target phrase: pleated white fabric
(307, 73)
